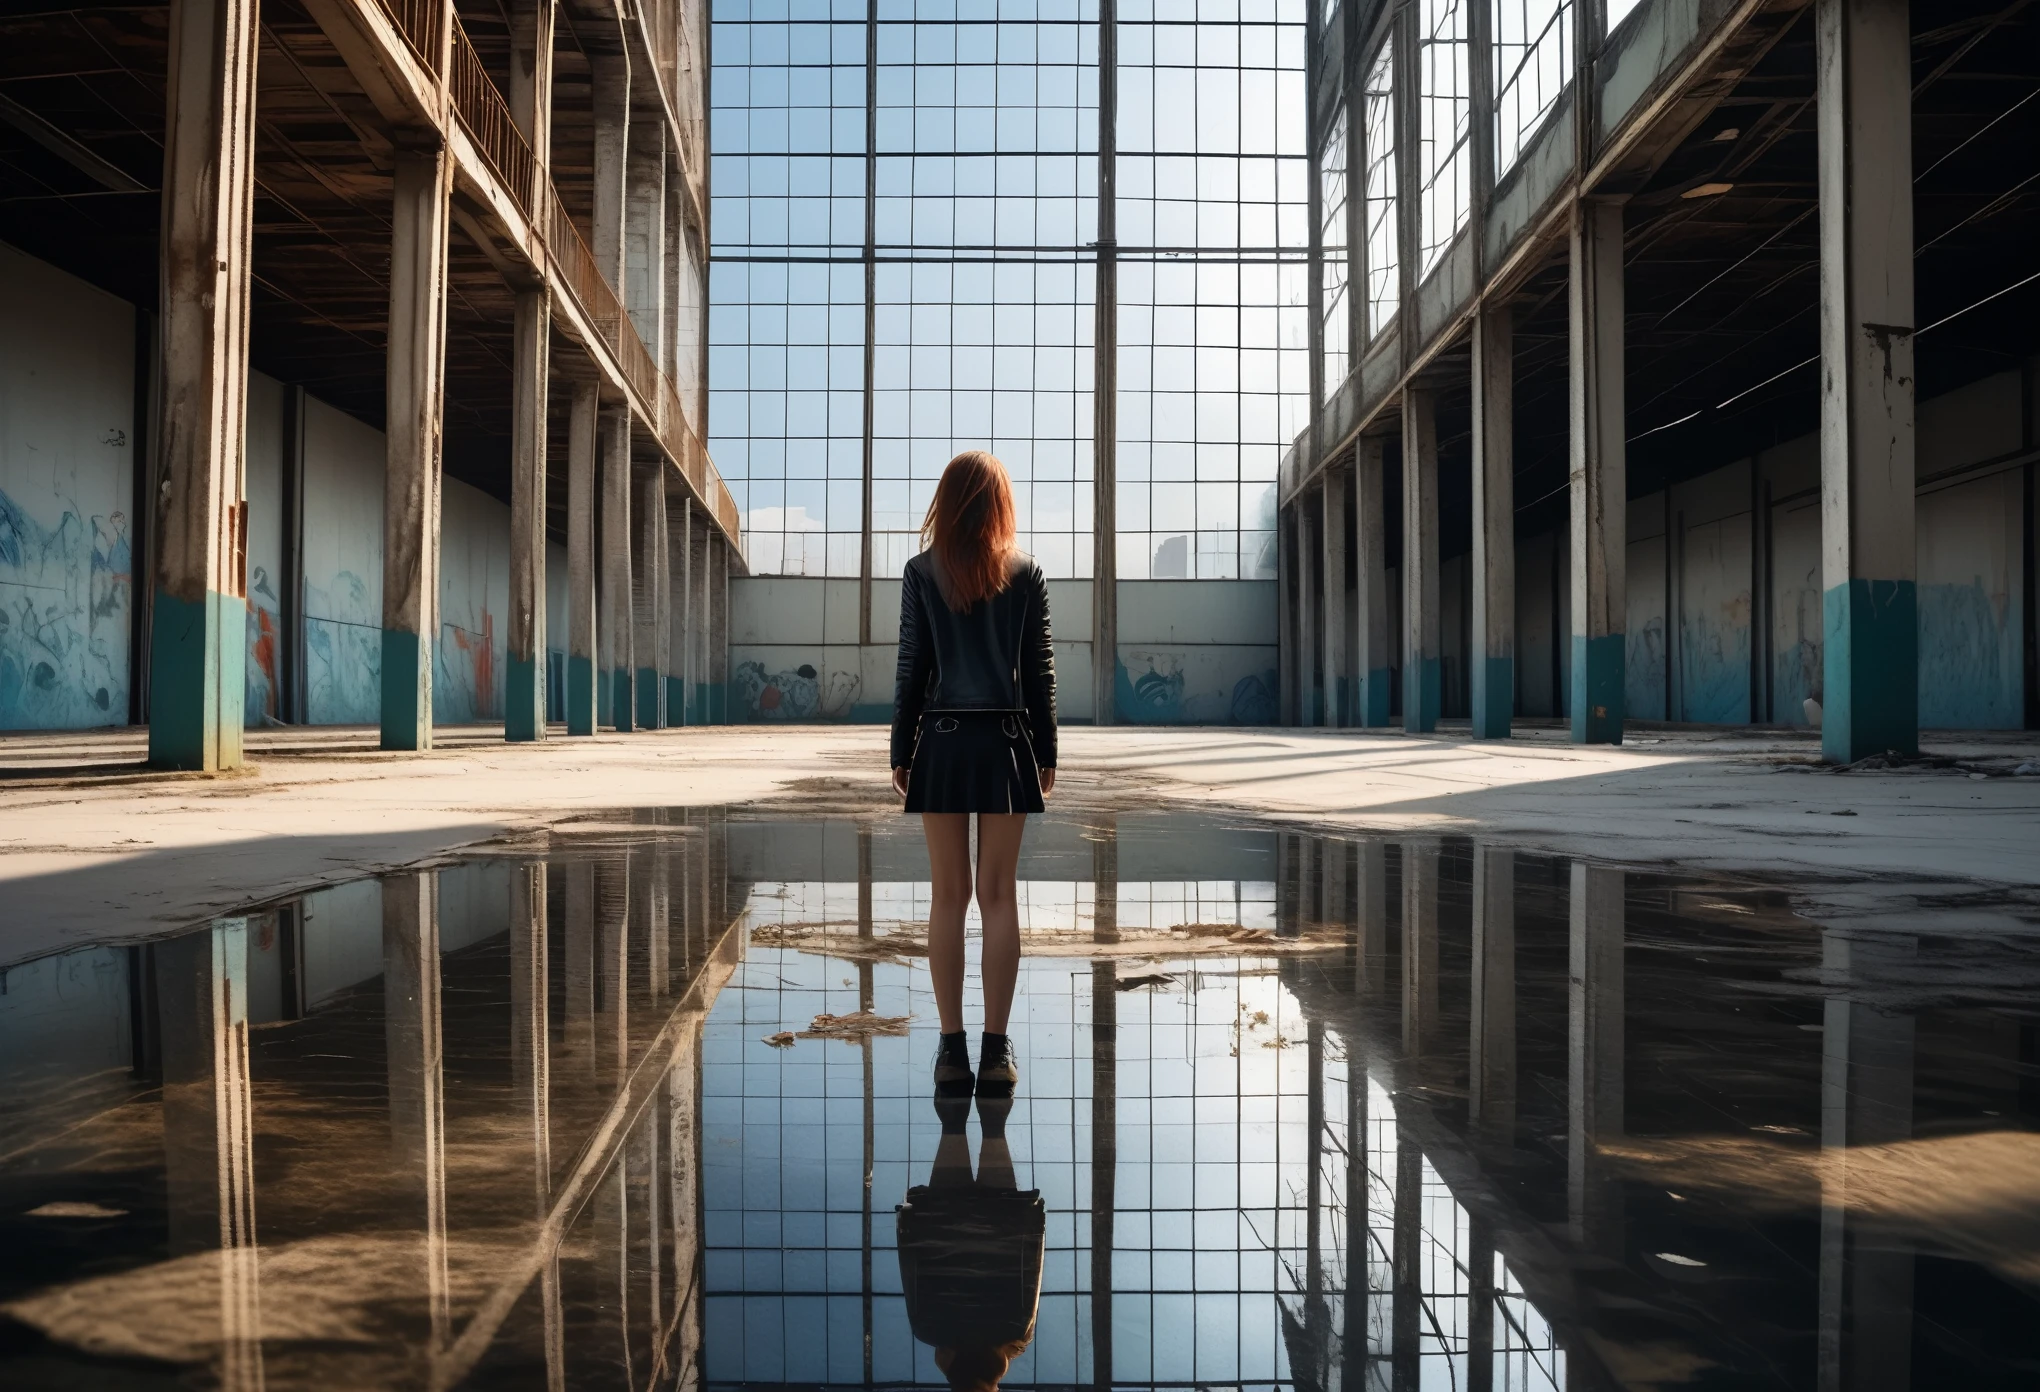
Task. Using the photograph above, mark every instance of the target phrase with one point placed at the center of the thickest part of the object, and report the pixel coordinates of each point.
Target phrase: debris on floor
(858, 1024)
(1147, 981)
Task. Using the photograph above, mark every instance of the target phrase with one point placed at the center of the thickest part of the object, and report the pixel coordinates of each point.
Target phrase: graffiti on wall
(798, 693)
(343, 653)
(464, 682)
(1196, 687)
(265, 624)
(66, 601)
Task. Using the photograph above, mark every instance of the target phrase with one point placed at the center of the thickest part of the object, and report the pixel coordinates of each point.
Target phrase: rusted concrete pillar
(1338, 627)
(1600, 496)
(644, 235)
(618, 661)
(679, 573)
(610, 79)
(697, 613)
(648, 600)
(719, 636)
(1422, 673)
(1493, 659)
(583, 427)
(1373, 650)
(415, 393)
(524, 707)
(530, 99)
(1870, 653)
(198, 639)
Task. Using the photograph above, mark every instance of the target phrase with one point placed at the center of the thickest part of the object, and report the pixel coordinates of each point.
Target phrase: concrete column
(1491, 1054)
(679, 563)
(610, 79)
(208, 1127)
(697, 605)
(644, 234)
(530, 1033)
(1338, 625)
(1373, 656)
(1600, 497)
(524, 682)
(1493, 659)
(618, 660)
(719, 637)
(648, 602)
(1594, 1052)
(1870, 650)
(1422, 690)
(1287, 637)
(1307, 559)
(198, 633)
(1866, 1099)
(1420, 963)
(414, 1057)
(415, 392)
(583, 428)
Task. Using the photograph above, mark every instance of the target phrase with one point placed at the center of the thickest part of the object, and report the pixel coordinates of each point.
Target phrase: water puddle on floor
(646, 1105)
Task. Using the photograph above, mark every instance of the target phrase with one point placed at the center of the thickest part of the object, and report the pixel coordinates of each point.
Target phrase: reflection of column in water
(1866, 1098)
(415, 1063)
(530, 1040)
(1104, 1152)
(609, 1253)
(1491, 1055)
(578, 1032)
(866, 927)
(1407, 1312)
(1420, 945)
(1595, 1051)
(612, 963)
(1480, 1308)
(1316, 1324)
(208, 1126)
(644, 1238)
(658, 921)
(1370, 931)
(1353, 1351)
(682, 1340)
(1338, 883)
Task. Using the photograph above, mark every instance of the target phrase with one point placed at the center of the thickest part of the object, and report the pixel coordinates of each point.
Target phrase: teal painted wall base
(871, 713)
(524, 708)
(718, 703)
(648, 699)
(1494, 697)
(620, 713)
(698, 707)
(197, 657)
(406, 691)
(1870, 664)
(1423, 695)
(580, 695)
(1597, 684)
(1342, 703)
(1374, 697)
(676, 701)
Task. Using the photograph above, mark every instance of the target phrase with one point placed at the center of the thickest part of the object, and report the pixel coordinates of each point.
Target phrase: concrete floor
(92, 847)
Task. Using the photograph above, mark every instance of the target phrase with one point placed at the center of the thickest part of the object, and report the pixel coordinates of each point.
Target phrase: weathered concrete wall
(474, 593)
(1190, 651)
(1972, 640)
(342, 568)
(67, 446)
(267, 459)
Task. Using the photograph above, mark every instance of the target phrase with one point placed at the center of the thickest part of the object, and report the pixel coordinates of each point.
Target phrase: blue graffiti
(66, 594)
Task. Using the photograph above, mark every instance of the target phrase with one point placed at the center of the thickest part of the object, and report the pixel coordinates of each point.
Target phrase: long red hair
(970, 529)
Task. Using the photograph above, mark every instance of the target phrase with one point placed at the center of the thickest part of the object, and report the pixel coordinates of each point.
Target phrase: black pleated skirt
(973, 761)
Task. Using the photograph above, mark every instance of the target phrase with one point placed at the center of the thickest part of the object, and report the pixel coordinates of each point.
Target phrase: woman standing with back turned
(974, 731)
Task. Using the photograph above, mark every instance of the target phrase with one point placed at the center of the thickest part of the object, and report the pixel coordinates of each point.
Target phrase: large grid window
(1533, 64)
(982, 201)
(1384, 283)
(978, 354)
(1445, 119)
(1337, 323)
(786, 283)
(1214, 242)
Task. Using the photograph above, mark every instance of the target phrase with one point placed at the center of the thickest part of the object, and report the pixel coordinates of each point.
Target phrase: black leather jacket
(994, 656)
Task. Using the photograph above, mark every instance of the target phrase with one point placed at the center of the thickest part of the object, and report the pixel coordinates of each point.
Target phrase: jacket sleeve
(1037, 674)
(910, 684)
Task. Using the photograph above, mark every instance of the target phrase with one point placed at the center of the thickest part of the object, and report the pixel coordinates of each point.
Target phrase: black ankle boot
(998, 1070)
(952, 1064)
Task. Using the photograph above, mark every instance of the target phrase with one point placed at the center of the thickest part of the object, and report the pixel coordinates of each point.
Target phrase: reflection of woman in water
(970, 1251)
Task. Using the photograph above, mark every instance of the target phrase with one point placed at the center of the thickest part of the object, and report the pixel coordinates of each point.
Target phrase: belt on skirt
(1022, 729)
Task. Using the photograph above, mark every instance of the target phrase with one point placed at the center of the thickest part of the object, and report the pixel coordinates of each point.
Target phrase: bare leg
(999, 906)
(948, 836)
